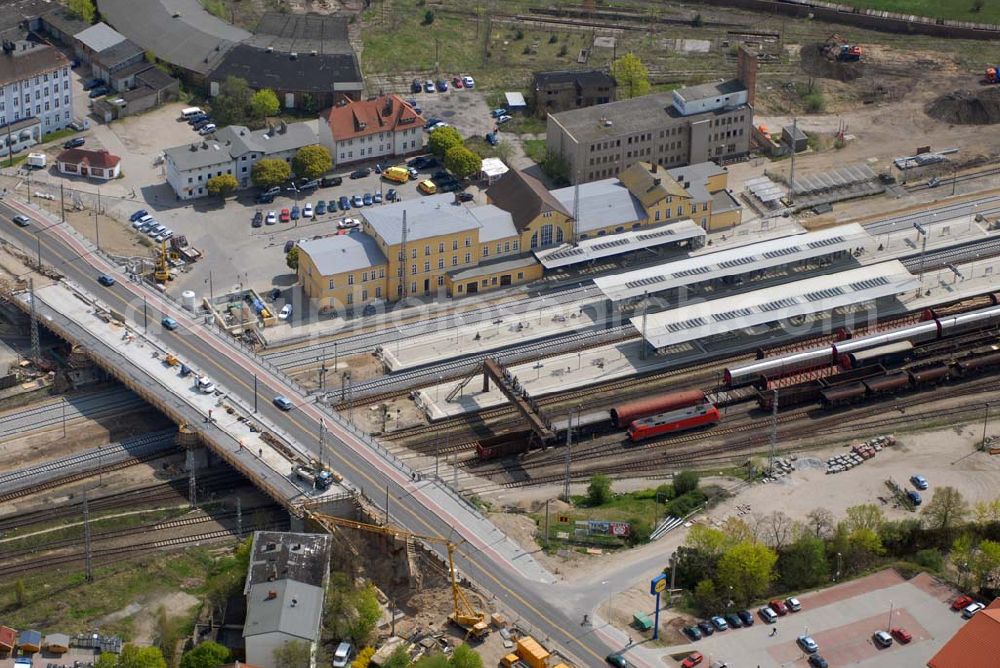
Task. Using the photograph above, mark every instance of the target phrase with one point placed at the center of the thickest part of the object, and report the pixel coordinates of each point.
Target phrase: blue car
(442, 85)
(367, 199)
(719, 623)
(169, 323)
(137, 215)
(296, 212)
(491, 138)
(914, 497)
(105, 280)
(497, 113)
(283, 403)
(919, 481)
(344, 203)
(320, 208)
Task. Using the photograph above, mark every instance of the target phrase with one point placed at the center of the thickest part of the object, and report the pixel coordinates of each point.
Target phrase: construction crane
(464, 615)
(162, 272)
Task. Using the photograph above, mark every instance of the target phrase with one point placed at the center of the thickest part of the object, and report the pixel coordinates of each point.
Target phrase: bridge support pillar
(198, 456)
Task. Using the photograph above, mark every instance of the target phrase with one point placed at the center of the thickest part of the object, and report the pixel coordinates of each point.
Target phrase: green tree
(631, 76)
(706, 599)
(639, 531)
(398, 659)
(865, 516)
(862, 547)
(685, 481)
(987, 512)
(746, 570)
(436, 660)
(232, 104)
(205, 655)
(293, 654)
(946, 510)
(709, 540)
(692, 566)
(312, 162)
(442, 139)
(223, 184)
(367, 613)
(107, 660)
(84, 9)
(930, 559)
(599, 490)
(263, 103)
(428, 17)
(985, 563)
(803, 563)
(556, 167)
(20, 593)
(269, 172)
(465, 657)
(363, 658)
(462, 162)
(292, 258)
(134, 656)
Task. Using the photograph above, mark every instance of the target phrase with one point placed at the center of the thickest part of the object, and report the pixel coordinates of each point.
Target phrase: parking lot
(841, 619)
(465, 109)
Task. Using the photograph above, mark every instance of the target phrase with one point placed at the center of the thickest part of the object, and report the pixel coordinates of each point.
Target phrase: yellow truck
(397, 174)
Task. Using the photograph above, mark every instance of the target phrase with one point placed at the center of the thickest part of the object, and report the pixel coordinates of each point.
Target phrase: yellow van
(428, 187)
(397, 174)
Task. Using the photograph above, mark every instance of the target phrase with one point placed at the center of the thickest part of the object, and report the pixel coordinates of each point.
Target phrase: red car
(902, 635)
(457, 82)
(693, 660)
(961, 602)
(285, 216)
(779, 607)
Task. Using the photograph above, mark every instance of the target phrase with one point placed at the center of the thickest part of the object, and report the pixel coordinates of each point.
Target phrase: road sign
(658, 584)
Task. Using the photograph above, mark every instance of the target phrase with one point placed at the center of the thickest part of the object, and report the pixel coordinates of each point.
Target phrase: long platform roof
(800, 298)
(732, 262)
(616, 244)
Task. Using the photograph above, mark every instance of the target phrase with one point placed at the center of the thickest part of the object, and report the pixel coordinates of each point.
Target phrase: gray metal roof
(236, 140)
(343, 252)
(602, 203)
(492, 267)
(617, 244)
(284, 606)
(428, 216)
(494, 223)
(119, 53)
(797, 299)
(197, 155)
(711, 89)
(99, 37)
(694, 178)
(732, 262)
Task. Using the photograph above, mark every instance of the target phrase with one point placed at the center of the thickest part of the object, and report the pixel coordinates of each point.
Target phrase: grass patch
(97, 526)
(958, 10)
(524, 125)
(58, 134)
(534, 149)
(217, 8)
(15, 161)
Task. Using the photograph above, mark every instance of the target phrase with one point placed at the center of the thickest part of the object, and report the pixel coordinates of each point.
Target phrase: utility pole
(569, 456)
(62, 202)
(387, 505)
(86, 539)
(645, 342)
(36, 346)
(791, 171)
(239, 517)
(546, 522)
(774, 434)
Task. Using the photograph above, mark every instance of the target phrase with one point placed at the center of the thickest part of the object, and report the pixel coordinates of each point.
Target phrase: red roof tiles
(976, 645)
(385, 113)
(80, 156)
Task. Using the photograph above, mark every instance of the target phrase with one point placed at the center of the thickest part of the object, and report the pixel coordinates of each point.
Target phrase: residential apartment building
(34, 85)
(234, 150)
(688, 126)
(696, 192)
(383, 126)
(571, 89)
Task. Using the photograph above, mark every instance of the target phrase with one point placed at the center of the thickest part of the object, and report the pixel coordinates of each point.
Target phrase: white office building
(34, 84)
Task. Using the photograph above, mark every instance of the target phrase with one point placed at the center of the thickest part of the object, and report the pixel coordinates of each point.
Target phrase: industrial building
(571, 89)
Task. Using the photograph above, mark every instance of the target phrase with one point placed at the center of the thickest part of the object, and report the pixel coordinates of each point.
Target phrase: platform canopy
(609, 245)
(732, 262)
(800, 298)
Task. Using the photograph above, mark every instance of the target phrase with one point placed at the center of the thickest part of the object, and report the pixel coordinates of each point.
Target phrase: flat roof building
(571, 89)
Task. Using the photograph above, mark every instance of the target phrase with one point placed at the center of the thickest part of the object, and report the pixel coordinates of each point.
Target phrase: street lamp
(922, 231)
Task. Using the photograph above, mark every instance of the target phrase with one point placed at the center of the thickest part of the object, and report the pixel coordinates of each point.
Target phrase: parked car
(706, 628)
(719, 623)
(138, 215)
(331, 206)
(503, 119)
(343, 655)
(465, 197)
(283, 403)
(272, 218)
(768, 615)
(881, 639)
(285, 313)
(901, 634)
(264, 199)
(390, 195)
(99, 91)
(745, 617)
(469, 81)
(497, 113)
(164, 234)
(442, 85)
(692, 660)
(296, 212)
(289, 245)
(414, 174)
(169, 323)
(457, 82)
(92, 83)
(914, 497)
(361, 173)
(105, 280)
(919, 481)
(21, 221)
(199, 124)
(734, 621)
(367, 199)
(320, 208)
(428, 86)
(357, 201)
(344, 203)
(285, 215)
(491, 138)
(197, 118)
(415, 86)
(793, 604)
(308, 184)
(77, 142)
(779, 607)
(816, 661)
(207, 130)
(347, 223)
(307, 210)
(692, 632)
(961, 602)
(972, 609)
(258, 219)
(428, 124)
(155, 229)
(377, 197)
(424, 161)
(330, 181)
(807, 644)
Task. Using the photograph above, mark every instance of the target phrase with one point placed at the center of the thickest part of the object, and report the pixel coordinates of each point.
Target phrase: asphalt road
(529, 601)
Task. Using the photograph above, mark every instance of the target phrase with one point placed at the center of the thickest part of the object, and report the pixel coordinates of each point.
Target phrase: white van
(190, 111)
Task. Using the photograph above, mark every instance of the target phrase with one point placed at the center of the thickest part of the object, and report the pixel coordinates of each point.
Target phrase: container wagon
(503, 445)
(625, 414)
(672, 422)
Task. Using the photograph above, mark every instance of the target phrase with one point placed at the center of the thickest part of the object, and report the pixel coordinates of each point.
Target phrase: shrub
(519, 34)
(599, 490)
(563, 50)
(553, 39)
(930, 559)
(666, 492)
(428, 17)
(684, 482)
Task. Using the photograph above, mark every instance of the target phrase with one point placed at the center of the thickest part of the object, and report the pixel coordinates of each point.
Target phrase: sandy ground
(146, 611)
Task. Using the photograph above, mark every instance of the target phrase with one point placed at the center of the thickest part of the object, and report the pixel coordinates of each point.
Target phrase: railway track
(70, 409)
(979, 249)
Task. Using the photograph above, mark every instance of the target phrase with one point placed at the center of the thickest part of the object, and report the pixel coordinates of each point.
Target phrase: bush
(428, 17)
(930, 559)
(563, 50)
(697, 21)
(666, 492)
(553, 39)
(519, 34)
(599, 490)
(684, 482)
(686, 503)
(814, 102)
(639, 532)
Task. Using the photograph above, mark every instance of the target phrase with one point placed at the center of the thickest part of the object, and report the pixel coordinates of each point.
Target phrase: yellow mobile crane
(162, 272)
(465, 616)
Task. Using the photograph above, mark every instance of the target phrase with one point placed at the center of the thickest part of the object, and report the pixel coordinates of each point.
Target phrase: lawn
(959, 10)
(534, 149)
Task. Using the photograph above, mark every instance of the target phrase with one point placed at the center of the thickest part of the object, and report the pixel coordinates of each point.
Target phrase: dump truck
(185, 250)
(319, 478)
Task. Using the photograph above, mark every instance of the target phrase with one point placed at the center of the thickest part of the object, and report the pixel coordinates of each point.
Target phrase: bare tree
(778, 529)
(820, 522)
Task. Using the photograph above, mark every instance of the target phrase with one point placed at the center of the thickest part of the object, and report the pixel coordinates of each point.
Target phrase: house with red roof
(93, 164)
(8, 640)
(380, 127)
(976, 645)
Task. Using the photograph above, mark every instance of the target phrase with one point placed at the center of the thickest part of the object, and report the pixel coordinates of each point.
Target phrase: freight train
(936, 327)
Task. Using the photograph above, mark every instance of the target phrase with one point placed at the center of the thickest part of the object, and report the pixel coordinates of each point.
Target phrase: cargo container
(532, 653)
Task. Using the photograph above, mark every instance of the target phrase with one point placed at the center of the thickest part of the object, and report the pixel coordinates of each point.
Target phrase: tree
(977, 5)
(205, 655)
(363, 658)
(986, 563)
(685, 481)
(639, 531)
(442, 139)
(269, 172)
(232, 104)
(223, 184)
(428, 17)
(556, 167)
(293, 654)
(465, 657)
(436, 660)
(462, 162)
(504, 150)
(692, 565)
(599, 490)
(631, 76)
(803, 563)
(946, 509)
(709, 540)
(778, 529)
(865, 516)
(133, 656)
(107, 660)
(930, 559)
(398, 659)
(737, 530)
(367, 611)
(84, 9)
(705, 597)
(263, 103)
(20, 593)
(312, 162)
(292, 258)
(821, 522)
(746, 570)
(987, 512)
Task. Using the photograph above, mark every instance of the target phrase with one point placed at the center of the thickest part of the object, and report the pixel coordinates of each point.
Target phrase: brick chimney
(746, 72)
